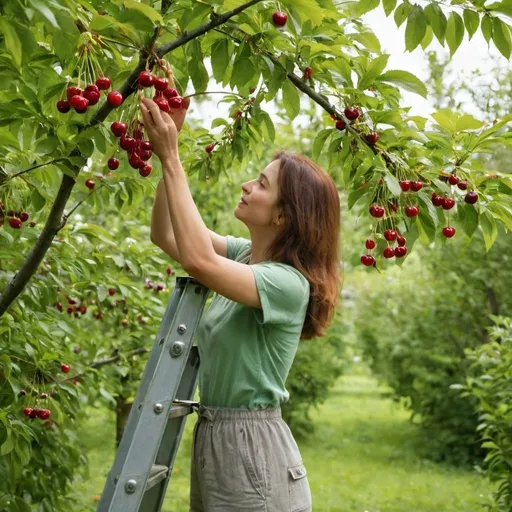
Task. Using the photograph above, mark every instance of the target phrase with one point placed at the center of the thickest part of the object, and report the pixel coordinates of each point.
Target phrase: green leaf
(8, 445)
(446, 119)
(291, 100)
(220, 59)
(404, 79)
(501, 37)
(467, 122)
(269, 125)
(454, 32)
(501, 212)
(437, 20)
(388, 6)
(468, 217)
(319, 142)
(392, 184)
(416, 28)
(243, 73)
(37, 200)
(145, 10)
(401, 13)
(429, 35)
(12, 41)
(45, 11)
(489, 229)
(375, 68)
(487, 27)
(196, 67)
(364, 6)
(472, 21)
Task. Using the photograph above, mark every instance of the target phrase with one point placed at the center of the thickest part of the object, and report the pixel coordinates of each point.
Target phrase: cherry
(63, 106)
(77, 349)
(79, 102)
(90, 184)
(44, 395)
(253, 89)
(453, 179)
(124, 321)
(462, 185)
(352, 113)
(73, 91)
(83, 309)
(118, 128)
(98, 315)
(15, 223)
(389, 252)
(113, 163)
(160, 84)
(71, 300)
(370, 244)
(390, 235)
(171, 93)
(209, 148)
(145, 155)
(367, 260)
(405, 185)
(145, 79)
(400, 251)
(416, 185)
(103, 83)
(43, 414)
(64, 368)
(308, 73)
(279, 19)
(448, 232)
(168, 270)
(340, 124)
(24, 216)
(22, 392)
(412, 211)
(114, 98)
(111, 291)
(92, 96)
(138, 134)
(401, 240)
(394, 207)
(27, 411)
(145, 145)
(471, 197)
(31, 224)
(376, 211)
(448, 203)
(176, 102)
(145, 171)
(127, 143)
(163, 104)
(71, 309)
(136, 161)
(438, 201)
(372, 138)
(159, 287)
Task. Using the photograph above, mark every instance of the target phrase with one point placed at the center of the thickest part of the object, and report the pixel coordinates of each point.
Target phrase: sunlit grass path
(363, 457)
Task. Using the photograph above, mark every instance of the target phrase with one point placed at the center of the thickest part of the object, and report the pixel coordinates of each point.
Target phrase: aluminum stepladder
(145, 457)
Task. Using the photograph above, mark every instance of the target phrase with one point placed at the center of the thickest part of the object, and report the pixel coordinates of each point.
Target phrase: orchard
(81, 291)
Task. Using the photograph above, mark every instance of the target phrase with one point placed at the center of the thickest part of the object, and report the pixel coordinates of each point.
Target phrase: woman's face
(258, 204)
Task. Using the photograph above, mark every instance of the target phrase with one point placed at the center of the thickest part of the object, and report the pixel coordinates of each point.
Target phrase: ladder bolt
(177, 348)
(130, 486)
(158, 408)
(182, 329)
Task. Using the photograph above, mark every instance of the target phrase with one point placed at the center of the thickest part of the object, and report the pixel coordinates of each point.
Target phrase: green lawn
(363, 457)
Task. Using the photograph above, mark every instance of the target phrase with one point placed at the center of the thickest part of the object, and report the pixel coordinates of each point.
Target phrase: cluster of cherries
(399, 251)
(39, 412)
(81, 99)
(352, 114)
(16, 219)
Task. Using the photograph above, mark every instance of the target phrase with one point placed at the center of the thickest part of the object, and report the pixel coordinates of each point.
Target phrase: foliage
(490, 383)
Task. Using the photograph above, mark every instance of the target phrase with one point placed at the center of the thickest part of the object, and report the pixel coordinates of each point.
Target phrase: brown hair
(310, 241)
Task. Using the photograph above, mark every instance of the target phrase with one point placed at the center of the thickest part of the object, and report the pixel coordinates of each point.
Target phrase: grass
(363, 457)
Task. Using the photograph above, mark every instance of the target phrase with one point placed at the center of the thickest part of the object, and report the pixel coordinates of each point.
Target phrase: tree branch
(35, 167)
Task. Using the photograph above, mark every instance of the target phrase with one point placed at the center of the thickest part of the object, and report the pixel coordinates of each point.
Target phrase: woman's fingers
(153, 110)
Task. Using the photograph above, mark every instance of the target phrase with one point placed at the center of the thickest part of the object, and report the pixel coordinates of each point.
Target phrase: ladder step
(180, 410)
(156, 475)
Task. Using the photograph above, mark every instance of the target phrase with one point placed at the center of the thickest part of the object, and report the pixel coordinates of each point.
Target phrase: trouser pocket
(298, 488)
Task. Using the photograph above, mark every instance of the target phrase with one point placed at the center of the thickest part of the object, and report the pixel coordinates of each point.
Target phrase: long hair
(310, 242)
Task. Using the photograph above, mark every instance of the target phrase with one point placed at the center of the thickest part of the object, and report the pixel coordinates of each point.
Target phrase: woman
(280, 286)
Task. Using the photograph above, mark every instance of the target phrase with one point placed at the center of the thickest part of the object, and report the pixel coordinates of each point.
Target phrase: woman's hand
(163, 128)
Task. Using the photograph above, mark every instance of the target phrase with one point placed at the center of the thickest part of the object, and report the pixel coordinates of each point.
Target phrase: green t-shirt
(245, 352)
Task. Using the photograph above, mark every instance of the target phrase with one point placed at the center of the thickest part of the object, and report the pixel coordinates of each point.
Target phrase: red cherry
(136, 161)
(145, 171)
(401, 240)
(15, 223)
(176, 102)
(31, 224)
(405, 185)
(340, 124)
(370, 244)
(209, 148)
(23, 392)
(34, 412)
(64, 368)
(43, 414)
(145, 79)
(79, 102)
(90, 184)
(390, 235)
(59, 306)
(103, 83)
(463, 185)
(127, 143)
(146, 145)
(352, 113)
(145, 155)
(448, 232)
(113, 163)
(389, 252)
(394, 207)
(416, 185)
(91, 88)
(124, 321)
(159, 287)
(163, 104)
(376, 211)
(412, 211)
(71, 300)
(92, 96)
(98, 315)
(111, 291)
(308, 73)
(279, 19)
(471, 197)
(138, 134)
(63, 106)
(367, 260)
(114, 98)
(168, 270)
(448, 203)
(453, 179)
(27, 411)
(438, 201)
(400, 251)
(171, 93)
(372, 138)
(160, 84)
(73, 91)
(118, 128)
(24, 216)
(44, 395)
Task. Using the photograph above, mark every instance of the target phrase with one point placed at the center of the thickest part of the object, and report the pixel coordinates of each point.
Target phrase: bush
(491, 385)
